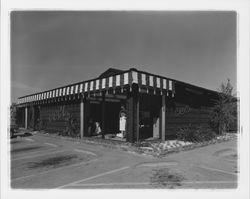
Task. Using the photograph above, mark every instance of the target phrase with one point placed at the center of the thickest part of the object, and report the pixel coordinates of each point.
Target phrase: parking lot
(45, 162)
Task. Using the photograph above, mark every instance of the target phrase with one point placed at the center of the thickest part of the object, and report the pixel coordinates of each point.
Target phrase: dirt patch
(54, 162)
(25, 149)
(164, 178)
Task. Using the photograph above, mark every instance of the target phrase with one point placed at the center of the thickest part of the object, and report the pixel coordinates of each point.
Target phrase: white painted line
(30, 140)
(217, 170)
(50, 144)
(87, 152)
(93, 177)
(207, 182)
(33, 156)
(52, 170)
(112, 184)
(149, 183)
(23, 177)
(157, 164)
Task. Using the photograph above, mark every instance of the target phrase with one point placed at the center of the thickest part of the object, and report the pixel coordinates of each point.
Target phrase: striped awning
(122, 80)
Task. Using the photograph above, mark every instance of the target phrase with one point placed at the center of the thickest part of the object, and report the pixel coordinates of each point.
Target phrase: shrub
(72, 128)
(40, 125)
(193, 133)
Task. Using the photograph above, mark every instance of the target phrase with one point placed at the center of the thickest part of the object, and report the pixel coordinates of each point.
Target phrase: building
(155, 106)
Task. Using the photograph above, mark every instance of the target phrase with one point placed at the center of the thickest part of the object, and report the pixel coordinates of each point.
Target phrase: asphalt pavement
(41, 162)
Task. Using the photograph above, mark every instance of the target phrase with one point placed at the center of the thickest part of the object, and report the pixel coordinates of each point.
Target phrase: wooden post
(137, 117)
(82, 117)
(32, 116)
(163, 117)
(132, 132)
(26, 118)
(103, 115)
(129, 123)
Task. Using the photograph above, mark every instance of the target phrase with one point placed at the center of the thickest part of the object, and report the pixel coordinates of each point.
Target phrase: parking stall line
(50, 144)
(111, 184)
(29, 139)
(208, 182)
(23, 177)
(155, 164)
(34, 156)
(93, 177)
(217, 170)
(53, 170)
(86, 152)
(147, 183)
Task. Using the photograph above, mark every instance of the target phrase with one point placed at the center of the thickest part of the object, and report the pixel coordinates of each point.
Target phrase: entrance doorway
(149, 117)
(108, 121)
(112, 110)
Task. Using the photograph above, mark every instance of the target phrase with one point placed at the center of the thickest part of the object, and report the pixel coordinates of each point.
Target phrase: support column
(137, 117)
(103, 115)
(163, 117)
(26, 117)
(82, 119)
(32, 117)
(132, 130)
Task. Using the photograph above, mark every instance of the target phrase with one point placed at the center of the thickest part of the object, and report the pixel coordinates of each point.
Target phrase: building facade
(154, 106)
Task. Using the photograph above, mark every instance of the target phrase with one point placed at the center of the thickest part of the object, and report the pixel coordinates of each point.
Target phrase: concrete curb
(150, 151)
(93, 141)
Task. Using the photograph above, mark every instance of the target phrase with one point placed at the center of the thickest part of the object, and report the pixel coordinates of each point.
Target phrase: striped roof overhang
(122, 80)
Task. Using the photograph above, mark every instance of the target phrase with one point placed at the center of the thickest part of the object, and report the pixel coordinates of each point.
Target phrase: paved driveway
(43, 162)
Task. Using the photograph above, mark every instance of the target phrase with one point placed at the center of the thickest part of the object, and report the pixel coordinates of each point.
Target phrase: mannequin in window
(122, 123)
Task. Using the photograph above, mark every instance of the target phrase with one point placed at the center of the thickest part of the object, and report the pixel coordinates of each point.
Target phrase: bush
(193, 133)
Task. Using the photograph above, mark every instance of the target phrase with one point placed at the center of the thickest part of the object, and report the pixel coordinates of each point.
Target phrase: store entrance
(93, 119)
(149, 117)
(112, 110)
(107, 122)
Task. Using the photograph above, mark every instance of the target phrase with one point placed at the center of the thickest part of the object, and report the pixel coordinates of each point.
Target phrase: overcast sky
(51, 49)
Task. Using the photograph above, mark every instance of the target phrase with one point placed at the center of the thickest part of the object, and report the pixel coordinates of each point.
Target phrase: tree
(13, 114)
(224, 113)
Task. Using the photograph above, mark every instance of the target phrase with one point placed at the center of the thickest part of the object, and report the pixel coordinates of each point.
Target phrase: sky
(52, 49)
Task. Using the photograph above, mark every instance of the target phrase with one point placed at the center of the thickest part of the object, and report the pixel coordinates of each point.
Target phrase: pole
(163, 117)
(103, 115)
(82, 117)
(26, 117)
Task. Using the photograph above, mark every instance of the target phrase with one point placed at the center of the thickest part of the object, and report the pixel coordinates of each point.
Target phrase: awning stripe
(110, 82)
(118, 80)
(151, 81)
(126, 78)
(170, 85)
(97, 84)
(134, 77)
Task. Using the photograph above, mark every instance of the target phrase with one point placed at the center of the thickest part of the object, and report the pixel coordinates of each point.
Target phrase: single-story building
(143, 105)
